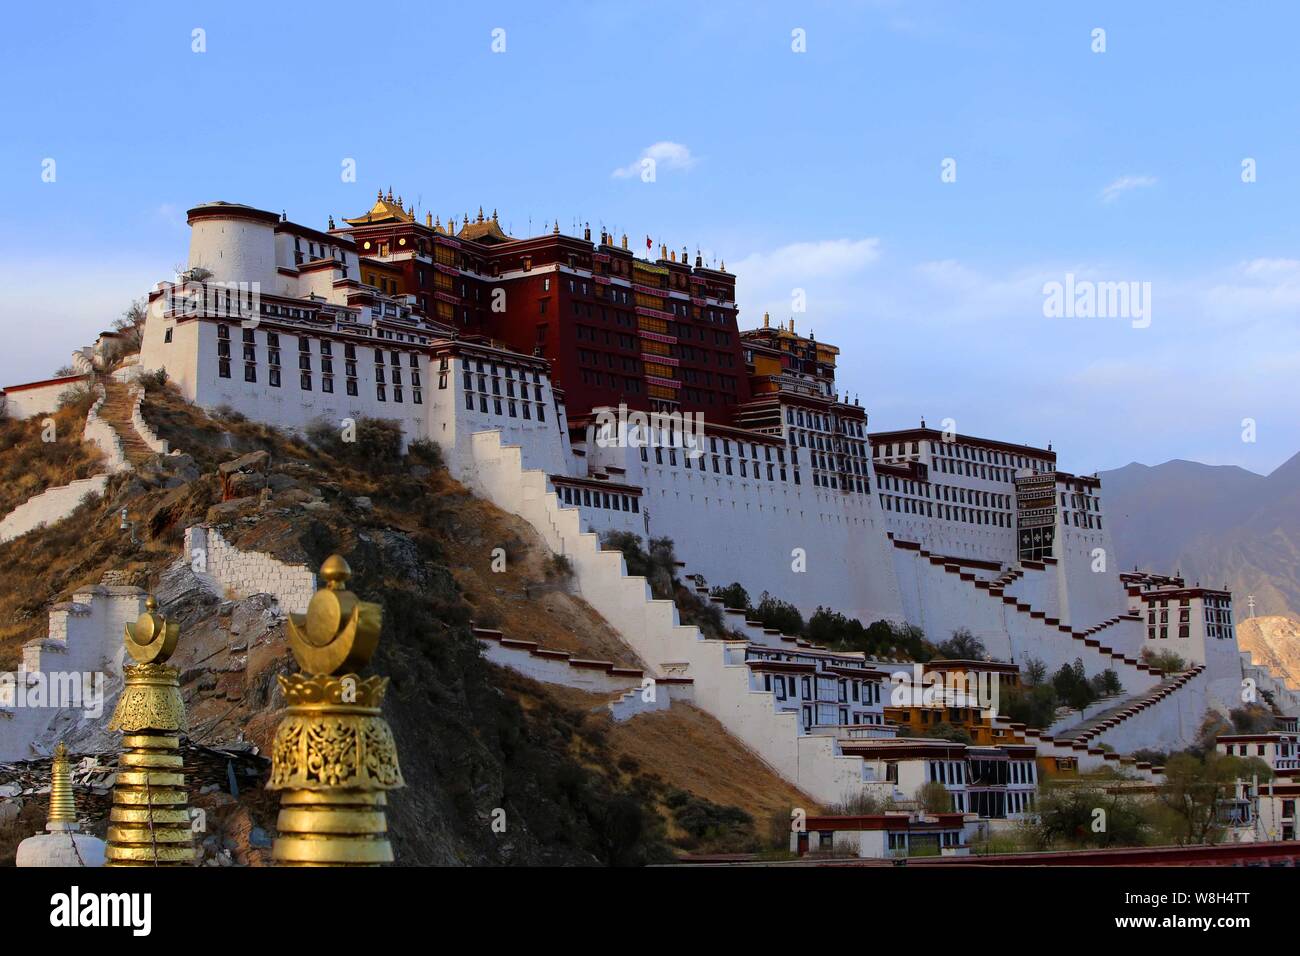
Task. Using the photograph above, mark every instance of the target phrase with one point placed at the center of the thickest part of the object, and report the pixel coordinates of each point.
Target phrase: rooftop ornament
(334, 757)
(149, 824)
(61, 844)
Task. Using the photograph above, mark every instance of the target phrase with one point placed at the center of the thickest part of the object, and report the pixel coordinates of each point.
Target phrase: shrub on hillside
(1252, 719)
(1163, 660)
(371, 444)
(423, 451)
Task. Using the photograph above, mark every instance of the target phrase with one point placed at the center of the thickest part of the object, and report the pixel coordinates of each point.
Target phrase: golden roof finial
(428, 219)
(767, 321)
(63, 808)
(480, 214)
(494, 215)
(151, 639)
(333, 755)
(150, 823)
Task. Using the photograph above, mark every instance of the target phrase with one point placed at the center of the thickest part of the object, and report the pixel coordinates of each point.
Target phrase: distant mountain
(1215, 524)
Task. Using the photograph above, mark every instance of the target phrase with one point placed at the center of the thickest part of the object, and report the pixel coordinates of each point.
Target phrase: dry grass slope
(29, 465)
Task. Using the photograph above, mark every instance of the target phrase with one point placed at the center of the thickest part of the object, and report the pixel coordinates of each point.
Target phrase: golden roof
(483, 230)
(385, 209)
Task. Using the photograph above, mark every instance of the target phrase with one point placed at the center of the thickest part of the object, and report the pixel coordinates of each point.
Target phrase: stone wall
(232, 573)
(102, 434)
(50, 506)
(83, 646)
(142, 428)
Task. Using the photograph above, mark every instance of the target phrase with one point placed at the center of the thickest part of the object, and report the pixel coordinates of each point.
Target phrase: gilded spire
(63, 808)
(333, 755)
(149, 824)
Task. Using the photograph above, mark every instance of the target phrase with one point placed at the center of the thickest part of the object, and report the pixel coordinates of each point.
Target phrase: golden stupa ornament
(150, 821)
(334, 755)
(63, 809)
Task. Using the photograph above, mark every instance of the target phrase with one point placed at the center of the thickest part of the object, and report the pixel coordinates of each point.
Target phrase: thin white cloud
(954, 337)
(666, 155)
(1119, 187)
(801, 261)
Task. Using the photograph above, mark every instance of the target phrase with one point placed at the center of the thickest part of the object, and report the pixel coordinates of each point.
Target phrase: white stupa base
(61, 849)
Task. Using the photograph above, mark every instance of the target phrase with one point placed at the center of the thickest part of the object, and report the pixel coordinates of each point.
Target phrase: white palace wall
(731, 528)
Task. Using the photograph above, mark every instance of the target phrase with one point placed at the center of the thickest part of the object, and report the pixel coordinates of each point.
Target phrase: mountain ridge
(1214, 524)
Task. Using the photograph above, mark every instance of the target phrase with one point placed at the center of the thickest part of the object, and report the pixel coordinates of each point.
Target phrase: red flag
(648, 243)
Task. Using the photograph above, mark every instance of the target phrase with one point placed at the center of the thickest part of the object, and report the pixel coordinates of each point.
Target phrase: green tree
(778, 614)
(1194, 787)
(1071, 815)
(1072, 687)
(1106, 684)
(733, 596)
(963, 646)
(1034, 673)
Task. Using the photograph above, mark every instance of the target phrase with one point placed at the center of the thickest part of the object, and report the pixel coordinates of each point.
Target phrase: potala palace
(588, 389)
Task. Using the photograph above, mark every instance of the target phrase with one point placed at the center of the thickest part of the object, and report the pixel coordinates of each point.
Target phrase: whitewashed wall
(50, 506)
(227, 571)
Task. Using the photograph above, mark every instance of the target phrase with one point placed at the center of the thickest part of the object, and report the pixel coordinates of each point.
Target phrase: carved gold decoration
(333, 755)
(63, 809)
(151, 700)
(149, 824)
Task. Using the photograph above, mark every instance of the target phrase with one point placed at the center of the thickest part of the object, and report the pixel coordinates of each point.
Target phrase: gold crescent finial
(339, 632)
(152, 638)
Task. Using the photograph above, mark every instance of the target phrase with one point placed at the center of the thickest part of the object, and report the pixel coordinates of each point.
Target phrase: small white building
(888, 835)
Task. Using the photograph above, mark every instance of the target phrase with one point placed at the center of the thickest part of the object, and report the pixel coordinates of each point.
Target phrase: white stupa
(62, 843)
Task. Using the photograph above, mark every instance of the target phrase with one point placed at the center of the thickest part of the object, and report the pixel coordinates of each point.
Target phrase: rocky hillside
(576, 788)
(1275, 643)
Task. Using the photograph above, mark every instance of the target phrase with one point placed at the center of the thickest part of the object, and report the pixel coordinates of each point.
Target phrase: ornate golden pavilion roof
(385, 209)
(483, 230)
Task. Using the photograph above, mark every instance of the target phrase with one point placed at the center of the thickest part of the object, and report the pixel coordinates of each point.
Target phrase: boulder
(253, 461)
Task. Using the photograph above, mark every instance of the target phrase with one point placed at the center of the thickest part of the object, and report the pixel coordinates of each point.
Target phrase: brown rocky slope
(575, 788)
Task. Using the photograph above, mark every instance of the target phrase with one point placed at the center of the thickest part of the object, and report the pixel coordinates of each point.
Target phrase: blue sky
(817, 171)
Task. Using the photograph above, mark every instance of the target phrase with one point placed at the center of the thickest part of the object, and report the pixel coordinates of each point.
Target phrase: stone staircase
(652, 628)
(118, 410)
(1124, 664)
